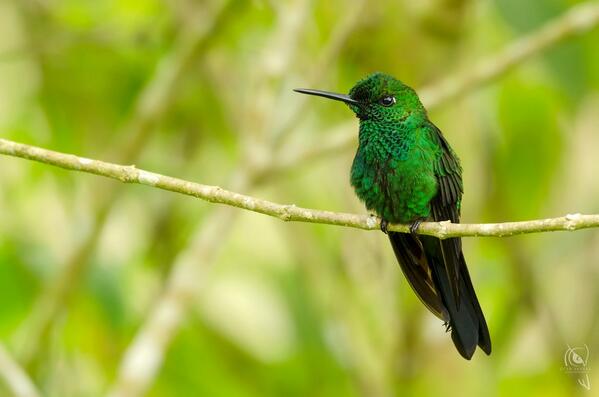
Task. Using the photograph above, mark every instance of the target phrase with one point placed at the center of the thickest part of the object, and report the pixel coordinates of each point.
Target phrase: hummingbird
(405, 171)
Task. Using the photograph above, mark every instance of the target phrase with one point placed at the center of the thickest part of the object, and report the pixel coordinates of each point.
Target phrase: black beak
(326, 94)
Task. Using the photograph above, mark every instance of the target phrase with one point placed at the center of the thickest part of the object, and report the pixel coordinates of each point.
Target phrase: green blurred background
(201, 90)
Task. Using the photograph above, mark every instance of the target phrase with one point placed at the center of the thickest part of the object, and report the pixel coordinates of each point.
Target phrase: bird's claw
(414, 226)
(384, 225)
(447, 326)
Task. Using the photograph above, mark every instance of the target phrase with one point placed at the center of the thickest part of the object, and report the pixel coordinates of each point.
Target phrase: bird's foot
(384, 225)
(447, 326)
(414, 225)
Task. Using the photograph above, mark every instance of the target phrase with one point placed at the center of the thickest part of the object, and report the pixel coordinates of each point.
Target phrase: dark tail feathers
(468, 325)
(466, 319)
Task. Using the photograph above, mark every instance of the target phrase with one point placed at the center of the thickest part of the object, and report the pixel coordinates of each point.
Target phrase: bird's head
(378, 97)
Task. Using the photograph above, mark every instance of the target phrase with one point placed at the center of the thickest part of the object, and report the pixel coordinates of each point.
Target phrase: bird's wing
(446, 206)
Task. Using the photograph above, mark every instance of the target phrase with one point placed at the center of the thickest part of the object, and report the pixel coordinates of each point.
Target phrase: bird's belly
(396, 190)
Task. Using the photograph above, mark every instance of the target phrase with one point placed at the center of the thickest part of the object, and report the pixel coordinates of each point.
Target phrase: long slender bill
(326, 94)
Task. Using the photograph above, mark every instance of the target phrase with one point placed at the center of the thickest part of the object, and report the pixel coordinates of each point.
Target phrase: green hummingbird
(405, 171)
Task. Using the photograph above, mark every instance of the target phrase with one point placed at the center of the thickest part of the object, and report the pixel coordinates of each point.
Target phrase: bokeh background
(131, 290)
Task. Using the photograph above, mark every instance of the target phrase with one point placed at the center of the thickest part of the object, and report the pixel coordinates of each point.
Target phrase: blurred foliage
(292, 309)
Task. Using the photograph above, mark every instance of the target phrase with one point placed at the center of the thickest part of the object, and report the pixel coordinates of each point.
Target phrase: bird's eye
(387, 101)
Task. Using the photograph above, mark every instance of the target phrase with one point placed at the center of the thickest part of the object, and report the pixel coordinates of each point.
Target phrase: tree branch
(286, 212)
(151, 102)
(192, 263)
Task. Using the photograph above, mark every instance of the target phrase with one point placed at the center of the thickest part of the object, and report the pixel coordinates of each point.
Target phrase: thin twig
(171, 326)
(144, 356)
(287, 212)
(152, 101)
